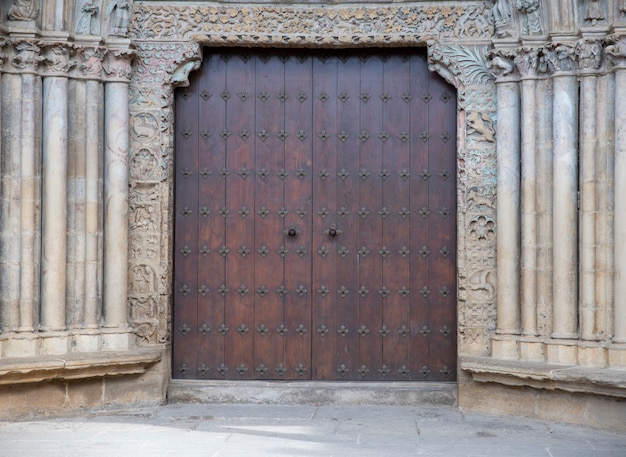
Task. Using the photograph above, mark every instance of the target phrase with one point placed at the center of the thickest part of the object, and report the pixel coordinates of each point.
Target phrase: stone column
(590, 55)
(508, 190)
(617, 53)
(565, 210)
(55, 148)
(29, 271)
(116, 127)
(91, 70)
(544, 205)
(527, 63)
(604, 192)
(10, 207)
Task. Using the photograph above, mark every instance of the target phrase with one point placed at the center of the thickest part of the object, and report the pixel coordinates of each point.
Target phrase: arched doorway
(315, 231)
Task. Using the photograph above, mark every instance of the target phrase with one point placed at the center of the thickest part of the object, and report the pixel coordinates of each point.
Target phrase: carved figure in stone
(503, 15)
(565, 57)
(57, 57)
(24, 10)
(92, 61)
(594, 11)
(143, 280)
(531, 21)
(118, 16)
(481, 123)
(27, 55)
(143, 164)
(478, 196)
(144, 126)
(144, 219)
(589, 54)
(87, 22)
(180, 77)
(501, 66)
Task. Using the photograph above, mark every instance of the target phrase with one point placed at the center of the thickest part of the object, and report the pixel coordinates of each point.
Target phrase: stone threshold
(542, 375)
(77, 365)
(312, 392)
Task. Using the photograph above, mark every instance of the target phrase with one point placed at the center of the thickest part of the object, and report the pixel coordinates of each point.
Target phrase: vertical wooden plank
(324, 284)
(298, 195)
(186, 229)
(344, 247)
(396, 272)
(371, 224)
(239, 97)
(421, 248)
(212, 241)
(442, 201)
(269, 198)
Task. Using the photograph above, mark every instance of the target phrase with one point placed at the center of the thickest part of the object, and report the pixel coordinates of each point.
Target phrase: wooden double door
(315, 218)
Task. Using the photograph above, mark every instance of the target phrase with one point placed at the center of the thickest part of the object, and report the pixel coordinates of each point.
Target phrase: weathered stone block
(562, 352)
(617, 356)
(20, 347)
(53, 345)
(498, 399)
(85, 393)
(606, 412)
(85, 343)
(115, 341)
(505, 348)
(532, 350)
(592, 355)
(561, 406)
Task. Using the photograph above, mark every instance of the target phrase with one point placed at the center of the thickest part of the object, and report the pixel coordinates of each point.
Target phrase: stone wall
(86, 184)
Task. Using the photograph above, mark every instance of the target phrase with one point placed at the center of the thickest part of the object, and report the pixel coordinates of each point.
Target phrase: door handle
(292, 231)
(332, 231)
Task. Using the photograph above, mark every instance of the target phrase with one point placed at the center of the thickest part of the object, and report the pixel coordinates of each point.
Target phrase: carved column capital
(527, 61)
(616, 51)
(117, 64)
(26, 55)
(589, 53)
(562, 57)
(91, 59)
(189, 61)
(459, 65)
(56, 58)
(502, 65)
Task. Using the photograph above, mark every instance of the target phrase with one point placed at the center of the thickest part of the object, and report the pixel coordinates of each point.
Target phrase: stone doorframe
(169, 41)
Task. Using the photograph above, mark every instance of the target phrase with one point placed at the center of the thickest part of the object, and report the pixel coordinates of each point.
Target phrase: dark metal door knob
(292, 232)
(332, 232)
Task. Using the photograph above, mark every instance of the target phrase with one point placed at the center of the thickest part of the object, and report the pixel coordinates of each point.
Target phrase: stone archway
(169, 39)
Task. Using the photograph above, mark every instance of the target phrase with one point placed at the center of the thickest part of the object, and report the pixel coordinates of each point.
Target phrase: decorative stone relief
(26, 55)
(287, 25)
(117, 64)
(56, 57)
(466, 67)
(24, 10)
(91, 57)
(503, 15)
(589, 54)
(117, 17)
(594, 11)
(562, 57)
(87, 14)
(162, 65)
(530, 16)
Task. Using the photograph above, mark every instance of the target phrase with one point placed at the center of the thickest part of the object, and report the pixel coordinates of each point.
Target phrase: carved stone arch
(169, 41)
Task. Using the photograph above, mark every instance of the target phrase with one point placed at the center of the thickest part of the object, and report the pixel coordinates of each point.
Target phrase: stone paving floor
(341, 431)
